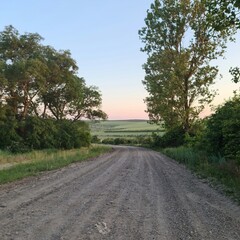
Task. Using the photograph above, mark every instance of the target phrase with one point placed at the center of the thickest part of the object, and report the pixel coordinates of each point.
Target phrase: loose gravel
(130, 193)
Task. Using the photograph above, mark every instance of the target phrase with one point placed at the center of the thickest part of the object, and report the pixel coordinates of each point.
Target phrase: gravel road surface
(130, 193)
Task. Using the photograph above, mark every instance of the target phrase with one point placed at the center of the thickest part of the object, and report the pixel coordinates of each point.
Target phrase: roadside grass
(32, 163)
(214, 168)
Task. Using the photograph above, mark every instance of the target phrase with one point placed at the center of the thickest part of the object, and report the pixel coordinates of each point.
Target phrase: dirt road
(131, 193)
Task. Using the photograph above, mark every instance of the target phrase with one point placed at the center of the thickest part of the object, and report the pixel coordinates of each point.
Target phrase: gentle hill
(123, 128)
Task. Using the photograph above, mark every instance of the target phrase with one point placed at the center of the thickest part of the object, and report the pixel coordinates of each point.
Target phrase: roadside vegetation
(43, 102)
(42, 98)
(216, 168)
(211, 148)
(181, 39)
(17, 166)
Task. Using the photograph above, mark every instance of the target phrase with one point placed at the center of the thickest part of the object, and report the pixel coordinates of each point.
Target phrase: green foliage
(180, 45)
(39, 133)
(223, 129)
(223, 15)
(214, 167)
(119, 141)
(39, 80)
(9, 138)
(95, 139)
(133, 141)
(195, 135)
(39, 91)
(72, 134)
(235, 74)
(185, 155)
(172, 138)
(45, 161)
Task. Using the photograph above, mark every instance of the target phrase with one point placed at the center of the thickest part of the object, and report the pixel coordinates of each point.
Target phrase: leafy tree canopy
(42, 98)
(224, 16)
(180, 45)
(39, 80)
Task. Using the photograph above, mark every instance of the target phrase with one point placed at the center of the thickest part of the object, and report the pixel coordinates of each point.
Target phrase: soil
(130, 193)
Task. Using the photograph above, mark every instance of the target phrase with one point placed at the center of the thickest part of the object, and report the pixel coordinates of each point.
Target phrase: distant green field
(123, 128)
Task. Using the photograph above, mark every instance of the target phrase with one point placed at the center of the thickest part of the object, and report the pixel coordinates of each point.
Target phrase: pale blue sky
(102, 36)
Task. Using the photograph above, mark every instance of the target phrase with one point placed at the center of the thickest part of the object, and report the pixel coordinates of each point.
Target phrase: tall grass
(214, 167)
(30, 164)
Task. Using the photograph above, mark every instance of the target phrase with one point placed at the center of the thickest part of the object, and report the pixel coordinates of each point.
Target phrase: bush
(223, 130)
(194, 137)
(95, 139)
(37, 133)
(116, 141)
(108, 141)
(9, 138)
(123, 141)
(173, 138)
(72, 134)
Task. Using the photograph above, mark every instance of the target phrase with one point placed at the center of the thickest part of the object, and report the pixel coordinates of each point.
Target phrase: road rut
(130, 193)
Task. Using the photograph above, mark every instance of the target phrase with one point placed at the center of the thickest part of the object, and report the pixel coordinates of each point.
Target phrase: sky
(102, 36)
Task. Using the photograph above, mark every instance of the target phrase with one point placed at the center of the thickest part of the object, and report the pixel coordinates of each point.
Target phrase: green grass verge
(46, 160)
(215, 168)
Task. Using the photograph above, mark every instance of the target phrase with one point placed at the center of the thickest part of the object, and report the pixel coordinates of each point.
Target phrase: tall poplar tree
(180, 46)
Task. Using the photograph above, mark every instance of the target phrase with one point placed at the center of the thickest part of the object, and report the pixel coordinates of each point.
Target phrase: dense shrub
(117, 141)
(9, 138)
(144, 140)
(193, 138)
(72, 134)
(173, 138)
(140, 140)
(223, 130)
(95, 139)
(38, 133)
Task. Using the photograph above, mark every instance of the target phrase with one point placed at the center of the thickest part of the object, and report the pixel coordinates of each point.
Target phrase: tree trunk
(186, 107)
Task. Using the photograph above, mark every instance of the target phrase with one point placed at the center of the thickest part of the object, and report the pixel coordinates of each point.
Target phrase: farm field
(122, 128)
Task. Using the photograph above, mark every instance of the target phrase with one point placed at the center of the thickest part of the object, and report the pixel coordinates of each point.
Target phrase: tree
(224, 16)
(2, 87)
(180, 46)
(88, 104)
(39, 80)
(235, 71)
(66, 95)
(23, 69)
(61, 87)
(42, 98)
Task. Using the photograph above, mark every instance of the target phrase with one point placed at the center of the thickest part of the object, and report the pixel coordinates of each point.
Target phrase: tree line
(42, 98)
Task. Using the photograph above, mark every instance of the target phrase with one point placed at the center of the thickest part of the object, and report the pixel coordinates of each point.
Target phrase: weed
(30, 164)
(215, 168)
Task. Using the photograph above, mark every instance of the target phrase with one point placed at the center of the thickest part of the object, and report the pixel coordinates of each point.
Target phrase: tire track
(131, 193)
